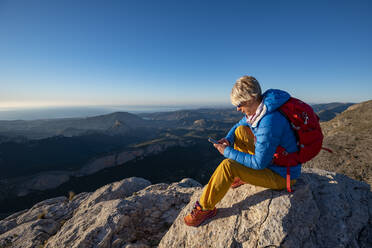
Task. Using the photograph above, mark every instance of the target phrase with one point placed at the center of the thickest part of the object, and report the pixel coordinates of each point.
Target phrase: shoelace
(194, 211)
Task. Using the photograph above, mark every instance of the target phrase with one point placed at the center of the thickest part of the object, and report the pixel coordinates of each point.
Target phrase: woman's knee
(244, 140)
(243, 131)
(225, 165)
(229, 167)
(227, 162)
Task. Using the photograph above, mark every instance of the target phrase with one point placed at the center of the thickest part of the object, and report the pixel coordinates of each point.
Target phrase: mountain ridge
(349, 135)
(43, 128)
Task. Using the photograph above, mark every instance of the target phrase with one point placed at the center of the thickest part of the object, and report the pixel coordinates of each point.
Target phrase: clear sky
(181, 52)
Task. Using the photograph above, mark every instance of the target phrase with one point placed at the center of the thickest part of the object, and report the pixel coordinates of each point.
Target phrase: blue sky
(65, 53)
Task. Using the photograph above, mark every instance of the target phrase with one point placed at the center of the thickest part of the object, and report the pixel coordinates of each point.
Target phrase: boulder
(57, 209)
(325, 210)
(139, 220)
(116, 190)
(33, 227)
(31, 234)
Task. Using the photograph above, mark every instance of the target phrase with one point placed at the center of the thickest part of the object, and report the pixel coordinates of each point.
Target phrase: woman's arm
(268, 136)
(231, 134)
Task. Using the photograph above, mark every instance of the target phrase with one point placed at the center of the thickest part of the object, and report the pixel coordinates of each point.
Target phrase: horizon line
(14, 107)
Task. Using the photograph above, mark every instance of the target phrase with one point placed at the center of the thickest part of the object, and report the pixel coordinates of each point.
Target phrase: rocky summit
(325, 210)
(128, 213)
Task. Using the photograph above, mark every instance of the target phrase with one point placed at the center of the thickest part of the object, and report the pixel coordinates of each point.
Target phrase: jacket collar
(260, 112)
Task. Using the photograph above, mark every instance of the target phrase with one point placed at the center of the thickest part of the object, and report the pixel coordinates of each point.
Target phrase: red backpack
(305, 124)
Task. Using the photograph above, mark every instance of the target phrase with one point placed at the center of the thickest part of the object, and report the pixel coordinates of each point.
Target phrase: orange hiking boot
(237, 183)
(197, 215)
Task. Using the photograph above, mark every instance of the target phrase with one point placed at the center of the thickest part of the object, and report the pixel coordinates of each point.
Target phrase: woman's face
(248, 107)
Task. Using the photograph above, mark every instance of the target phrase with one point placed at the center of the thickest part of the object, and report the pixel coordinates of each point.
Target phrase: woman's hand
(224, 141)
(220, 147)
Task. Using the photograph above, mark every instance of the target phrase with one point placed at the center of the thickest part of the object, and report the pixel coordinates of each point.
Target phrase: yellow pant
(225, 173)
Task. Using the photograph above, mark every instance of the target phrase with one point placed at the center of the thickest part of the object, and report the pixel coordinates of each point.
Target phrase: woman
(249, 147)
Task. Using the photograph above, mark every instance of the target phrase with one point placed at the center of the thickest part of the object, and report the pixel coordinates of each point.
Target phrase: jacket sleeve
(231, 134)
(268, 136)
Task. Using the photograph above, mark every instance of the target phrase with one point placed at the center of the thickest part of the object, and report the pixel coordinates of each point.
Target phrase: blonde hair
(245, 88)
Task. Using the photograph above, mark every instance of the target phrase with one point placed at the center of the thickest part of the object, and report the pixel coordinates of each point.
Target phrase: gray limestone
(325, 210)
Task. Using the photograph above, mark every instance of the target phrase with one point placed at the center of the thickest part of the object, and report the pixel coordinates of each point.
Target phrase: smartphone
(212, 140)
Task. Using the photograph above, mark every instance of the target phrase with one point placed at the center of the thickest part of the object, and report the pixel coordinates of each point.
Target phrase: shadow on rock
(238, 207)
(336, 214)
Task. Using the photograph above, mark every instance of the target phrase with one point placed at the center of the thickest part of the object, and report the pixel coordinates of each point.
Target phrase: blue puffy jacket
(272, 130)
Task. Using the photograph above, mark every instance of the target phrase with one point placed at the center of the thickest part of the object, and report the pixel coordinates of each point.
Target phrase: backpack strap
(289, 179)
(327, 149)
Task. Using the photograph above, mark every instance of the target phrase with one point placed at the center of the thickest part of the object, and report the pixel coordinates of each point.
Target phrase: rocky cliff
(325, 210)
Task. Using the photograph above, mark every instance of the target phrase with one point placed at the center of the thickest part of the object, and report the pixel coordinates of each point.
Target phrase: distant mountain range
(123, 122)
(40, 159)
(328, 111)
(37, 129)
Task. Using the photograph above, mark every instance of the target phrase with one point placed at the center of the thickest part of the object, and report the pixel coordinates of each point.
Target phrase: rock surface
(33, 227)
(141, 219)
(326, 210)
(30, 228)
(128, 213)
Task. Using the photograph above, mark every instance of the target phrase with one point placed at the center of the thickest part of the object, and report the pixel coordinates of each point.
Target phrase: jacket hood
(274, 98)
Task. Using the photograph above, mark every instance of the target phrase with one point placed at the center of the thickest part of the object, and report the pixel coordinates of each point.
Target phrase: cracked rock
(111, 217)
(325, 210)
